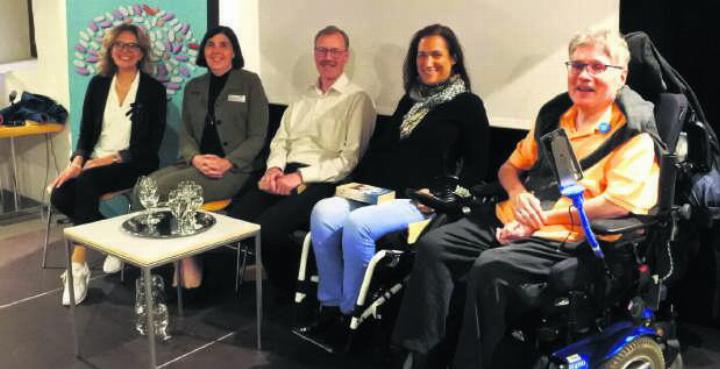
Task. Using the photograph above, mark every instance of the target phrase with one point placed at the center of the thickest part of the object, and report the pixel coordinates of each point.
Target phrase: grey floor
(218, 328)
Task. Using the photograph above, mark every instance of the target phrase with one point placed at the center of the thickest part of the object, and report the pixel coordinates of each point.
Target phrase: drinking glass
(193, 193)
(147, 192)
(178, 204)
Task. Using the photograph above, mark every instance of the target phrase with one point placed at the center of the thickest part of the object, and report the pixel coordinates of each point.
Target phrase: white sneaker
(81, 278)
(112, 265)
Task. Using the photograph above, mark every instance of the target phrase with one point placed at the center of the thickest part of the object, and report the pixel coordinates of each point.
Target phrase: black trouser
(279, 216)
(79, 197)
(497, 282)
(508, 281)
(444, 257)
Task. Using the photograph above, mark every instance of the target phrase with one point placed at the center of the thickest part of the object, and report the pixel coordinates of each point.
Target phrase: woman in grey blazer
(225, 119)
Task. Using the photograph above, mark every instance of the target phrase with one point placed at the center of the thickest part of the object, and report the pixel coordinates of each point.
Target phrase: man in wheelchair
(505, 253)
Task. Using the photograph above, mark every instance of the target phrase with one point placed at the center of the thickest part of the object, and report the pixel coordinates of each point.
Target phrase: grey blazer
(241, 117)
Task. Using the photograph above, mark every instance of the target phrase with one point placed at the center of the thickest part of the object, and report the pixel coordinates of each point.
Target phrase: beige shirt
(116, 125)
(327, 131)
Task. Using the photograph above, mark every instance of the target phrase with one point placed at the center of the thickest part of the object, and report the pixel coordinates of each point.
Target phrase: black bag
(38, 108)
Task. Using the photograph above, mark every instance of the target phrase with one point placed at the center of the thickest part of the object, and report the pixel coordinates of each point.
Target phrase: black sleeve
(387, 132)
(88, 137)
(474, 141)
(384, 135)
(402, 108)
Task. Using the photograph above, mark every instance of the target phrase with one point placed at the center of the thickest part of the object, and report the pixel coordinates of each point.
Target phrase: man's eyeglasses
(130, 46)
(321, 51)
(576, 67)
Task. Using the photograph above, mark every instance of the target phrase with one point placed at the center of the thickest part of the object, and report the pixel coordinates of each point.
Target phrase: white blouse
(116, 125)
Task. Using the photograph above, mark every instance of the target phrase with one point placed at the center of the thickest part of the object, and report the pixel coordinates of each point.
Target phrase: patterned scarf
(428, 97)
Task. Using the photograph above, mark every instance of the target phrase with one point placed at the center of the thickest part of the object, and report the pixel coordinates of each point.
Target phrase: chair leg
(240, 266)
(47, 236)
(303, 280)
(237, 268)
(128, 197)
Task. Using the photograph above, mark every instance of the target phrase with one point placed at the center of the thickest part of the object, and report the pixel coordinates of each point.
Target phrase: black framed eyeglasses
(129, 46)
(576, 67)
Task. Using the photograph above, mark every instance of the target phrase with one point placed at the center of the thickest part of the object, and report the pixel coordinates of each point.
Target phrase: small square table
(107, 236)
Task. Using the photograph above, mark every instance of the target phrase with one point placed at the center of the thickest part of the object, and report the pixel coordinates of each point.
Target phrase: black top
(210, 140)
(454, 131)
(147, 115)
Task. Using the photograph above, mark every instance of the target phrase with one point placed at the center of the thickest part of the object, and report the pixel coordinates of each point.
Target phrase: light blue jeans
(343, 237)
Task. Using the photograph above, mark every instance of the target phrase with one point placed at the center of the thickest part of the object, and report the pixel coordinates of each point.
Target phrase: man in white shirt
(320, 140)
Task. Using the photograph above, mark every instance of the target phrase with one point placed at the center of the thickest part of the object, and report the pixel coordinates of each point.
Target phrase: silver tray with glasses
(165, 225)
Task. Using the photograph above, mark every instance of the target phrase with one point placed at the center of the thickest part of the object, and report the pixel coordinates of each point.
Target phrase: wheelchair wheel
(642, 353)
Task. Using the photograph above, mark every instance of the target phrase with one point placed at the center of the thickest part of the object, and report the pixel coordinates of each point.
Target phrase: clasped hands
(529, 217)
(211, 166)
(276, 182)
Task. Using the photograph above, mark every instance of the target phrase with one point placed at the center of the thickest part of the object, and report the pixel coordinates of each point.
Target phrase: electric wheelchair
(594, 312)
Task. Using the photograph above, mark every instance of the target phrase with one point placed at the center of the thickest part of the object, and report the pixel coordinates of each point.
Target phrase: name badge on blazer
(236, 98)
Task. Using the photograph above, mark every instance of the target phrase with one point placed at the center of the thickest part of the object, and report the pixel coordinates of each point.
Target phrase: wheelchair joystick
(575, 193)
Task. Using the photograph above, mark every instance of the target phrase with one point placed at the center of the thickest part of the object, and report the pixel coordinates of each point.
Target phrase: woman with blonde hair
(122, 125)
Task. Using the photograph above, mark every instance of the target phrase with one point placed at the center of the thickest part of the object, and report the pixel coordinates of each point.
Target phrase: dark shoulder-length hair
(410, 73)
(238, 60)
(106, 64)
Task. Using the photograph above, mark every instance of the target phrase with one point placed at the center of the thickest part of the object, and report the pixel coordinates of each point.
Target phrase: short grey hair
(611, 41)
(331, 30)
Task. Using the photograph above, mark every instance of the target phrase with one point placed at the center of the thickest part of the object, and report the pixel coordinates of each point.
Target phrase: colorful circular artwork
(174, 47)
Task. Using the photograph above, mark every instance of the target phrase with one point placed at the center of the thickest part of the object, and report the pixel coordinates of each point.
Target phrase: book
(364, 193)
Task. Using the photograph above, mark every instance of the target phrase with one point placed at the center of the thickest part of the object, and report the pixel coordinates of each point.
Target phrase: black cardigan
(457, 129)
(148, 121)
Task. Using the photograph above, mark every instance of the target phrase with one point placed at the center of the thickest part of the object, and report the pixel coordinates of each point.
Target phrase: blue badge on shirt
(604, 127)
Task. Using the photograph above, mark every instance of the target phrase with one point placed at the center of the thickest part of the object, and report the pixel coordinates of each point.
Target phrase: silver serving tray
(167, 227)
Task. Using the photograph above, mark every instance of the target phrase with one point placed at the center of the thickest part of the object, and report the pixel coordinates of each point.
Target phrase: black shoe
(331, 331)
(326, 318)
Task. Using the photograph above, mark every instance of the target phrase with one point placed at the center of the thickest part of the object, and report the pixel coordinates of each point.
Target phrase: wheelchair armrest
(489, 190)
(622, 225)
(441, 205)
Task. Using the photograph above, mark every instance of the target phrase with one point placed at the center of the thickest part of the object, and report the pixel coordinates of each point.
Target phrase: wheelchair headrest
(645, 74)
(670, 111)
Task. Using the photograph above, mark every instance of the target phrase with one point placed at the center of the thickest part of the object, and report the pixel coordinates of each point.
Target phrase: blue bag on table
(34, 107)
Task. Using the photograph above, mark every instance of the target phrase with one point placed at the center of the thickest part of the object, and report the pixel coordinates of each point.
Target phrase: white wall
(514, 50)
(48, 76)
(242, 17)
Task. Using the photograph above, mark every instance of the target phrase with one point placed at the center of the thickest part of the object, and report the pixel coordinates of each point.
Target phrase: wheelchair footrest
(335, 338)
(316, 342)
